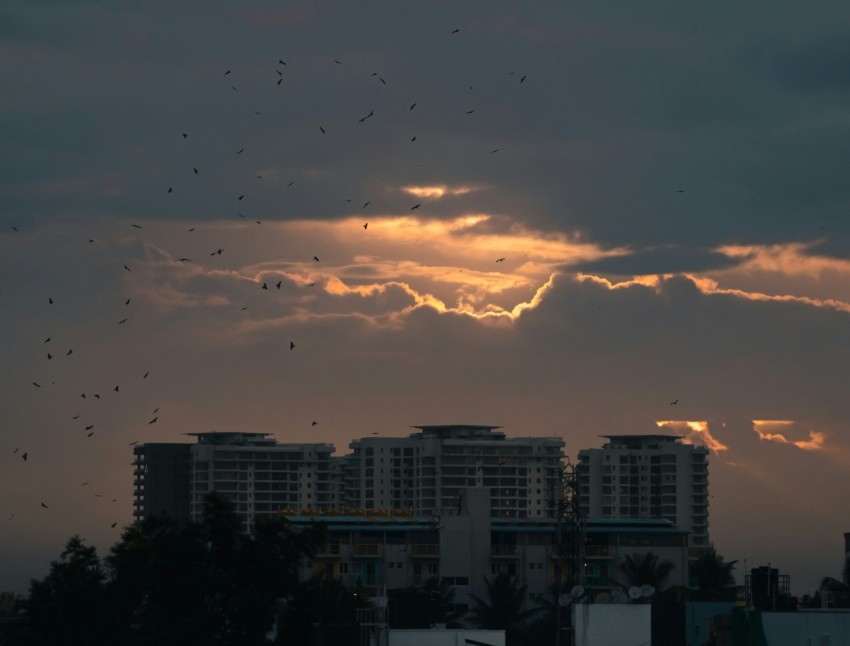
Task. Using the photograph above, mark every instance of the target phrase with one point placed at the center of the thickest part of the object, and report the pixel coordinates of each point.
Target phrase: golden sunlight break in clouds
(767, 429)
(694, 431)
(436, 192)
(485, 267)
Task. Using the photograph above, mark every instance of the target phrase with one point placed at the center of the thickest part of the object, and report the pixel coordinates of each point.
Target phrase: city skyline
(324, 221)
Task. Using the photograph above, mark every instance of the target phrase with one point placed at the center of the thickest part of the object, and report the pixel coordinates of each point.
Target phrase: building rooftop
(459, 431)
(232, 437)
(644, 441)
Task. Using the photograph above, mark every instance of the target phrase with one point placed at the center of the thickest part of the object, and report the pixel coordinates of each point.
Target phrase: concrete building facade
(426, 471)
(260, 476)
(647, 476)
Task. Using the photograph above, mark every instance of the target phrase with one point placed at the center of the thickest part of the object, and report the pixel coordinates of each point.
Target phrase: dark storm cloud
(658, 261)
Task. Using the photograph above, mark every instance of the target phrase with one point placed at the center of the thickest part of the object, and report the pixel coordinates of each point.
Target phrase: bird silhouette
(49, 301)
(291, 345)
(500, 260)
(456, 31)
(113, 525)
(43, 505)
(264, 286)
(24, 456)
(127, 302)
(415, 206)
(49, 356)
(674, 402)
(196, 170)
(185, 134)
(316, 258)
(135, 226)
(169, 189)
(322, 129)
(36, 384)
(69, 352)
(217, 252)
(145, 376)
(240, 151)
(115, 389)
(127, 268)
(89, 427)
(122, 321)
(153, 421)
(314, 423)
(371, 113)
(412, 105)
(365, 204)
(278, 284)
(366, 226)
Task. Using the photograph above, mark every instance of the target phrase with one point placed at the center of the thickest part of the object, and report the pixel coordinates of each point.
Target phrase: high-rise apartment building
(426, 471)
(260, 476)
(647, 476)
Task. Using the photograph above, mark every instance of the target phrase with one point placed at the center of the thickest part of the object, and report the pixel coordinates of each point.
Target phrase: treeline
(167, 582)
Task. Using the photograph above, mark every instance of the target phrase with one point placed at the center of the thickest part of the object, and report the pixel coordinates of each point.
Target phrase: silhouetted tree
(714, 578)
(423, 606)
(168, 583)
(645, 569)
(504, 609)
(68, 606)
(318, 601)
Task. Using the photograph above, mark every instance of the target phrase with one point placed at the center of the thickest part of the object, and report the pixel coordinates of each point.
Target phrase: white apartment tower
(647, 476)
(426, 471)
(260, 476)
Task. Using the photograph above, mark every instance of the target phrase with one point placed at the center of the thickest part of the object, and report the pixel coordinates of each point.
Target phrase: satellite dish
(646, 590)
(603, 597)
(564, 600)
(634, 592)
(577, 591)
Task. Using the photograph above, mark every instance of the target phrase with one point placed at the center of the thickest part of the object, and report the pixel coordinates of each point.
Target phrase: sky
(554, 217)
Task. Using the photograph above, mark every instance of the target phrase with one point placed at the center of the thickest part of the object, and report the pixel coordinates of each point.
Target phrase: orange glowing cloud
(767, 429)
(490, 269)
(711, 286)
(436, 192)
(694, 431)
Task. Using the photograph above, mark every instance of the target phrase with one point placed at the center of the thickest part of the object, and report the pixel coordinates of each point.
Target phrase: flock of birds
(89, 427)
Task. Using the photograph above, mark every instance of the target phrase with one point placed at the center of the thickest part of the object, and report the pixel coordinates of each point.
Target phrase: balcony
(424, 551)
(365, 549)
(597, 551)
(504, 551)
(327, 550)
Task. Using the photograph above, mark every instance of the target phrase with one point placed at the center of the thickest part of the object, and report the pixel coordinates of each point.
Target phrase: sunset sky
(577, 214)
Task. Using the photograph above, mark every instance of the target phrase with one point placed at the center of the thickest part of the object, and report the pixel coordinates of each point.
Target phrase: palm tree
(645, 569)
(839, 591)
(504, 609)
(715, 581)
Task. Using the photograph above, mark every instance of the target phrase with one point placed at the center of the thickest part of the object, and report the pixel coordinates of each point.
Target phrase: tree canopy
(168, 583)
(645, 569)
